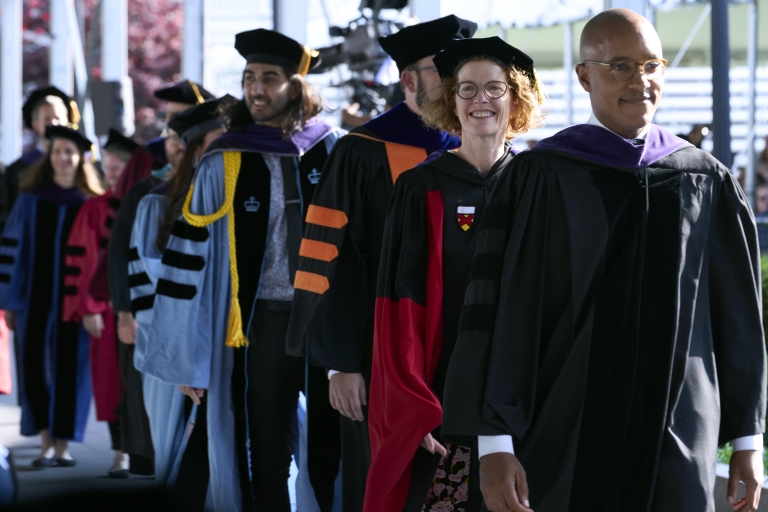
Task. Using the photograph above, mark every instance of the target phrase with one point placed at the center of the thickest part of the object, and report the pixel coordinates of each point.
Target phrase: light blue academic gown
(164, 402)
(188, 334)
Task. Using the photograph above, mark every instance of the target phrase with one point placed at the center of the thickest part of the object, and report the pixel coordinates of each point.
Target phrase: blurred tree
(154, 51)
(154, 56)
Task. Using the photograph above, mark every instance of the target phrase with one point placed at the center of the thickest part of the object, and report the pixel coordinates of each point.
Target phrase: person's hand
(10, 320)
(431, 445)
(126, 327)
(94, 324)
(503, 483)
(347, 394)
(194, 393)
(746, 466)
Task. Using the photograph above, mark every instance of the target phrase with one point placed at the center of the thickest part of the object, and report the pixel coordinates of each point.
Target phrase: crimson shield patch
(466, 216)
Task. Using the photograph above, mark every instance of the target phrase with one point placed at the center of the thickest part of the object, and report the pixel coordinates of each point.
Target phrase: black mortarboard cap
(494, 48)
(200, 119)
(185, 91)
(39, 94)
(62, 132)
(117, 140)
(270, 47)
(418, 41)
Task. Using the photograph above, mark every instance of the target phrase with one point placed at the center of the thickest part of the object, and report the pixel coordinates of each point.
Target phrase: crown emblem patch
(314, 176)
(252, 205)
(465, 215)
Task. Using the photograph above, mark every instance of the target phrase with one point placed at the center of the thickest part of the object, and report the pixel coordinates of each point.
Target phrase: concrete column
(290, 18)
(752, 48)
(425, 10)
(721, 104)
(62, 71)
(569, 71)
(10, 79)
(193, 51)
(114, 40)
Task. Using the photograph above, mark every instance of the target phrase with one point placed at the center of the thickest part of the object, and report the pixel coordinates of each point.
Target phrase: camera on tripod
(361, 52)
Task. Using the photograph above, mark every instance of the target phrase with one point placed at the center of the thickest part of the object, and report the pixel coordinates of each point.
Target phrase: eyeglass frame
(457, 86)
(638, 65)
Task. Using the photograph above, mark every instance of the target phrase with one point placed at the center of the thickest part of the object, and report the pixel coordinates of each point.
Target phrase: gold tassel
(74, 122)
(306, 60)
(198, 96)
(235, 336)
(539, 87)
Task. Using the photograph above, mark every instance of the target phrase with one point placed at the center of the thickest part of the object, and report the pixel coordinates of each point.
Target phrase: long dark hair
(86, 178)
(305, 106)
(177, 192)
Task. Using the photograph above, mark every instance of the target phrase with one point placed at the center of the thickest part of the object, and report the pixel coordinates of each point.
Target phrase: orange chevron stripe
(311, 282)
(327, 217)
(318, 250)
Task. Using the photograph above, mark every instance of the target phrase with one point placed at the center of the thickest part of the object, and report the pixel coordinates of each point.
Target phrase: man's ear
(408, 78)
(583, 76)
(295, 90)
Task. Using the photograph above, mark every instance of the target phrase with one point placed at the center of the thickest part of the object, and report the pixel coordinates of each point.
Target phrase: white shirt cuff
(331, 373)
(748, 443)
(494, 444)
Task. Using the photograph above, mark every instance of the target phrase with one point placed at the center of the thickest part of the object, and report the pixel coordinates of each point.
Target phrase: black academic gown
(334, 327)
(429, 241)
(612, 323)
(134, 423)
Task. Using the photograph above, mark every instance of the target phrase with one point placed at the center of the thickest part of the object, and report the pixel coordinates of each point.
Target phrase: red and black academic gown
(54, 381)
(429, 240)
(332, 322)
(84, 248)
(138, 168)
(612, 323)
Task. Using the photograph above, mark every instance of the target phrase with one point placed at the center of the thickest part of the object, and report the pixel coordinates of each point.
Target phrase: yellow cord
(235, 336)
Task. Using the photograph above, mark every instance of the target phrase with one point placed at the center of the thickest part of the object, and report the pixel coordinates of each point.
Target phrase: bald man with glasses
(611, 337)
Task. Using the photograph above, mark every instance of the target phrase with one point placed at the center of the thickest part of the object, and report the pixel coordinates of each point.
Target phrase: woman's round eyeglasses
(624, 70)
(494, 90)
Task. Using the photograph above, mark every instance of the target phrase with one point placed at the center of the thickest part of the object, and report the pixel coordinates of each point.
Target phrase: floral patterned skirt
(450, 487)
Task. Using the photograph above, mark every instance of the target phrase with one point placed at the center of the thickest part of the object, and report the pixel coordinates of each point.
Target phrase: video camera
(361, 52)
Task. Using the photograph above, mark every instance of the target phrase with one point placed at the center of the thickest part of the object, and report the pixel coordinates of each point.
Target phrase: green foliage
(724, 456)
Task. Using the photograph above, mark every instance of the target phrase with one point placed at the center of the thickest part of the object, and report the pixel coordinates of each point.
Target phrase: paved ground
(94, 457)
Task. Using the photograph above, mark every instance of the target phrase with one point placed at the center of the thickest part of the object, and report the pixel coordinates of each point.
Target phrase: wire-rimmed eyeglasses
(494, 90)
(624, 70)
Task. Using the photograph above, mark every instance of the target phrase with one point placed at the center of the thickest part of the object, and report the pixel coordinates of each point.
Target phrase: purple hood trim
(53, 193)
(32, 156)
(162, 189)
(258, 138)
(598, 145)
(401, 126)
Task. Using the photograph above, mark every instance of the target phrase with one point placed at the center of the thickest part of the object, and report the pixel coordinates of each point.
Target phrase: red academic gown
(84, 250)
(6, 382)
(138, 168)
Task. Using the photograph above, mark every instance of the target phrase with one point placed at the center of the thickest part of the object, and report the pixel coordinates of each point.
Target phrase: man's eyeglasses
(468, 90)
(624, 70)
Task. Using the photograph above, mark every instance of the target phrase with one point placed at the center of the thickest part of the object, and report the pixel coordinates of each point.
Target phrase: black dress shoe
(43, 462)
(66, 463)
(118, 474)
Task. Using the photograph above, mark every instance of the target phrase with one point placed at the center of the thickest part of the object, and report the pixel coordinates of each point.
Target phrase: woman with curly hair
(54, 380)
(489, 95)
